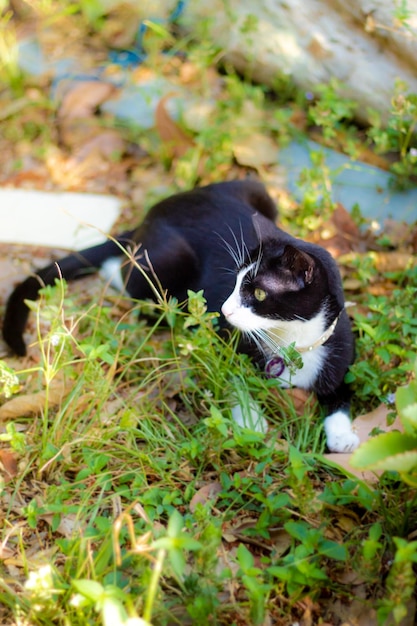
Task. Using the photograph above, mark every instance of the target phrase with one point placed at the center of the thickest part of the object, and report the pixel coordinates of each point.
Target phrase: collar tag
(275, 367)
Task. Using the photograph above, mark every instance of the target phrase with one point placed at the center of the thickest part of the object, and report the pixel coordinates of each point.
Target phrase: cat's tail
(71, 267)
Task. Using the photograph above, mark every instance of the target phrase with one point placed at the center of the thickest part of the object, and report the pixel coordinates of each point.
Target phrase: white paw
(250, 416)
(339, 434)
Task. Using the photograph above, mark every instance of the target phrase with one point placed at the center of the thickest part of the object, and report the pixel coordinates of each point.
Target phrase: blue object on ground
(137, 103)
(353, 182)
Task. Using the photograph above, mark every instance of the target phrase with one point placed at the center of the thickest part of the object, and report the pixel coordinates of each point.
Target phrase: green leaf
(283, 573)
(406, 395)
(298, 464)
(409, 418)
(333, 550)
(187, 543)
(175, 524)
(389, 451)
(163, 543)
(406, 401)
(298, 530)
(89, 589)
(177, 562)
(244, 557)
(113, 612)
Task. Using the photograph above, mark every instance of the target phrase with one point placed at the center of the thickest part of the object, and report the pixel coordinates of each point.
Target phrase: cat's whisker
(258, 260)
(233, 253)
(301, 318)
(253, 337)
(237, 255)
(273, 344)
(244, 248)
(228, 270)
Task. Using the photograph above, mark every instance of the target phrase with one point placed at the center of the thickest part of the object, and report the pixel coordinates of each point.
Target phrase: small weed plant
(387, 334)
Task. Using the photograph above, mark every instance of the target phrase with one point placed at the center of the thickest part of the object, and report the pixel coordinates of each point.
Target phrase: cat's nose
(227, 309)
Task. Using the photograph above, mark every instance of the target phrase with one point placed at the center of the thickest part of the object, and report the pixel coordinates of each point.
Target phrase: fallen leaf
(281, 541)
(363, 426)
(207, 493)
(352, 284)
(68, 526)
(5, 552)
(340, 235)
(34, 403)
(303, 400)
(255, 150)
(354, 613)
(198, 114)
(398, 233)
(176, 140)
(393, 261)
(83, 98)
(120, 27)
(106, 144)
(8, 461)
(297, 399)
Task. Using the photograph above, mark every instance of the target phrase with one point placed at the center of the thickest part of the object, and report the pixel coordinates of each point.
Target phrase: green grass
(109, 485)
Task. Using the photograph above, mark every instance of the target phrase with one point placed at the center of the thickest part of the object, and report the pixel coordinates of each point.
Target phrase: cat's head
(280, 283)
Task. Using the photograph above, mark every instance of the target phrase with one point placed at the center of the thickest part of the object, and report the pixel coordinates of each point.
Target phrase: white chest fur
(301, 333)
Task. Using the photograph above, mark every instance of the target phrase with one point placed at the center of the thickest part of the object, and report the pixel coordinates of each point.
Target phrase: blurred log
(361, 43)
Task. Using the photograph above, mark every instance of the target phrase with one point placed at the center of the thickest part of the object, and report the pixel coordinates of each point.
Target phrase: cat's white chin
(339, 433)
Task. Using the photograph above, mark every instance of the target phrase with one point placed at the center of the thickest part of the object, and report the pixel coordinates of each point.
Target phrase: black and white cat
(278, 290)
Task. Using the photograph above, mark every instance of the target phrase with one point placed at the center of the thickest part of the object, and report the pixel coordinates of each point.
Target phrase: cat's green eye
(260, 294)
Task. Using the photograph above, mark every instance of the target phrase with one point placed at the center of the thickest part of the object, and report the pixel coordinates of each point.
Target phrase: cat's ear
(264, 227)
(300, 263)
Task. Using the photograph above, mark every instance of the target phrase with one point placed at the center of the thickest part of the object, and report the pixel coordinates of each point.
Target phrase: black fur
(185, 241)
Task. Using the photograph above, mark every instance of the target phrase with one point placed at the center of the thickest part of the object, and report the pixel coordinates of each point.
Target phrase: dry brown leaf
(120, 28)
(83, 99)
(105, 144)
(398, 233)
(340, 235)
(255, 150)
(207, 493)
(393, 261)
(281, 541)
(352, 284)
(8, 462)
(363, 426)
(303, 400)
(34, 403)
(68, 525)
(176, 140)
(33, 558)
(6, 552)
(354, 613)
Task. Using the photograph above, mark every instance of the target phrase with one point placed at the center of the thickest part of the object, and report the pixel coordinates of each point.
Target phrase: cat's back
(226, 204)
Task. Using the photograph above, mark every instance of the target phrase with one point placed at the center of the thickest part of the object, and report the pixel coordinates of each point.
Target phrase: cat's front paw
(339, 434)
(250, 416)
